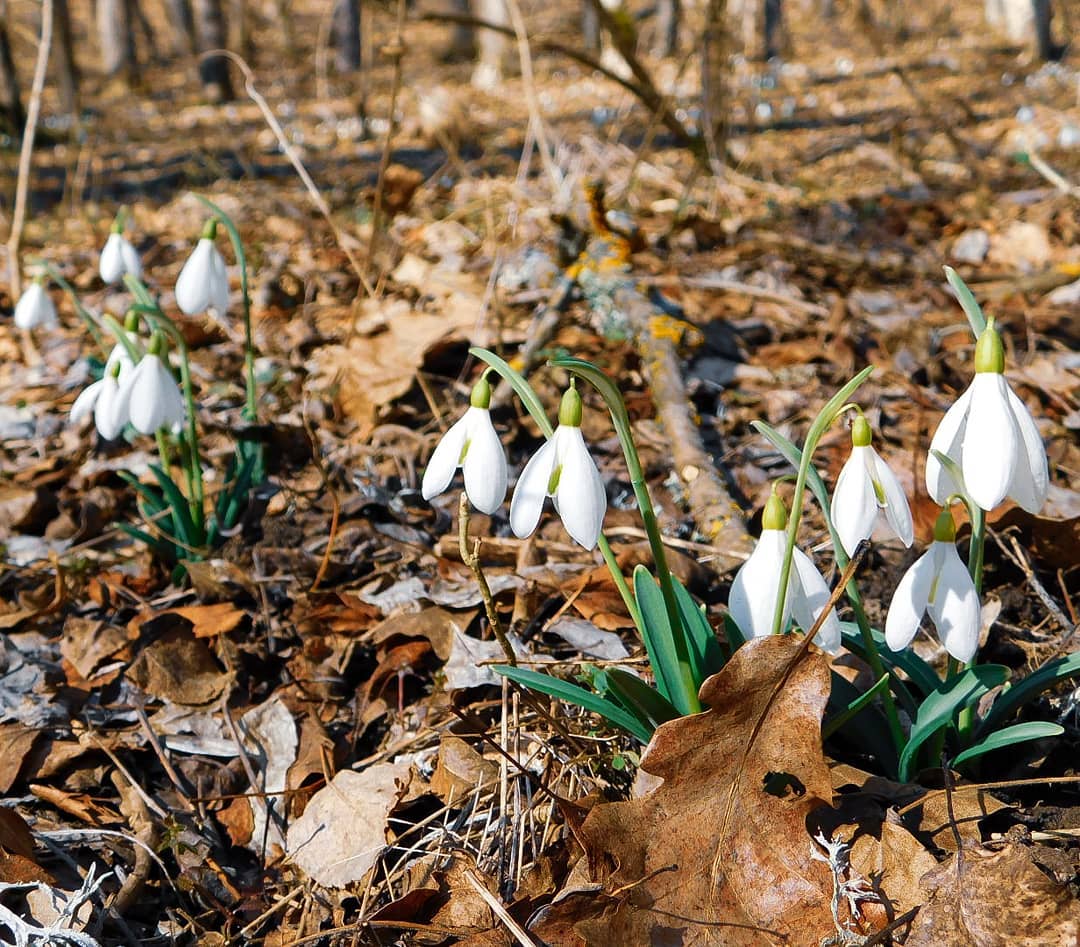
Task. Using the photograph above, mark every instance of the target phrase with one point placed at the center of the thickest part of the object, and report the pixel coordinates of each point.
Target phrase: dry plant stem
(536, 122)
(396, 51)
(342, 239)
(471, 558)
(146, 830)
(26, 152)
(845, 578)
(496, 908)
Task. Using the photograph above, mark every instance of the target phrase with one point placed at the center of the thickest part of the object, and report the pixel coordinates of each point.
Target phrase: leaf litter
(308, 744)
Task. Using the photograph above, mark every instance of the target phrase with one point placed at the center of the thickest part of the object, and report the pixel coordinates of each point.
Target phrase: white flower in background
(563, 470)
(990, 435)
(35, 307)
(937, 583)
(472, 444)
(203, 283)
(752, 602)
(102, 399)
(119, 257)
(866, 488)
(149, 396)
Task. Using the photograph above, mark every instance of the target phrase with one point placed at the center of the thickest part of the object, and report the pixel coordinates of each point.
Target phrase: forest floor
(301, 740)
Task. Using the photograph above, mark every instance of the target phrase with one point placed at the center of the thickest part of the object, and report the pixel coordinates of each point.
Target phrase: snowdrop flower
(35, 307)
(102, 398)
(472, 444)
(203, 283)
(866, 487)
(563, 470)
(149, 397)
(119, 257)
(752, 601)
(991, 437)
(938, 583)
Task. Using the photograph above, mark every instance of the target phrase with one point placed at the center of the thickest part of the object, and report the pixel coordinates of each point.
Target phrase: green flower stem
(252, 409)
(122, 337)
(620, 582)
(535, 407)
(163, 449)
(158, 320)
(819, 426)
(80, 310)
(621, 420)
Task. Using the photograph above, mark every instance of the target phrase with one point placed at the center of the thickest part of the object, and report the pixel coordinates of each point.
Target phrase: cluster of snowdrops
(986, 449)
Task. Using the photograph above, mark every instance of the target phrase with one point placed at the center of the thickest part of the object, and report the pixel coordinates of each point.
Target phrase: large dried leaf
(711, 856)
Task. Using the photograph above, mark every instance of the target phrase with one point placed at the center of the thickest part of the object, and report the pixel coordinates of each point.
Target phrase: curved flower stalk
(149, 396)
(472, 444)
(990, 435)
(564, 470)
(753, 597)
(35, 307)
(203, 282)
(865, 490)
(937, 584)
(118, 256)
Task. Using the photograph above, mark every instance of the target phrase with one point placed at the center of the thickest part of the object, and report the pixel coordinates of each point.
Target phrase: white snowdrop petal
(108, 420)
(153, 399)
(809, 595)
(854, 505)
(111, 264)
(1031, 479)
(897, 511)
(941, 484)
(132, 263)
(955, 607)
(84, 404)
(445, 459)
(752, 600)
(991, 441)
(531, 489)
(35, 308)
(581, 505)
(193, 283)
(909, 601)
(219, 282)
(485, 464)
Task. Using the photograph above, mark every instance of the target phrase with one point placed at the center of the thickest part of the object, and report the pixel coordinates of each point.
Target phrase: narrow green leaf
(579, 696)
(866, 727)
(639, 698)
(1018, 733)
(186, 530)
(855, 705)
(706, 656)
(967, 301)
(659, 639)
(921, 674)
(733, 633)
(154, 501)
(938, 708)
(1025, 691)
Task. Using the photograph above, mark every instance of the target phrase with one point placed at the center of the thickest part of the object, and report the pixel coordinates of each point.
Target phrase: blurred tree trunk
(63, 52)
(239, 36)
(182, 23)
(669, 12)
(116, 37)
(12, 115)
(210, 34)
(347, 39)
(1044, 40)
(590, 28)
(715, 101)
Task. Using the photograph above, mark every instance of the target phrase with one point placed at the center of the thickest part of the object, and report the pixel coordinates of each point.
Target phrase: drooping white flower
(35, 307)
(203, 282)
(866, 488)
(119, 257)
(149, 397)
(990, 435)
(472, 444)
(103, 399)
(752, 601)
(937, 583)
(564, 470)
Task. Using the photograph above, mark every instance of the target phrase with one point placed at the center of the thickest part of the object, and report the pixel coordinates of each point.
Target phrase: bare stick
(472, 560)
(26, 154)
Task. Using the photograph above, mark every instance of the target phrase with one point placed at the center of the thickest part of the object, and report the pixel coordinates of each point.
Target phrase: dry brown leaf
(16, 741)
(208, 621)
(76, 804)
(982, 898)
(711, 856)
(459, 770)
(181, 669)
(343, 830)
